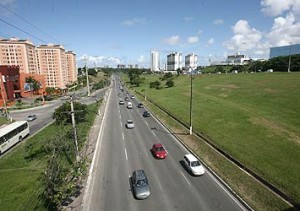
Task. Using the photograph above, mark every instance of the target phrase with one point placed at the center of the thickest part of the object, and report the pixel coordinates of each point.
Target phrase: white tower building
(174, 61)
(191, 60)
(155, 62)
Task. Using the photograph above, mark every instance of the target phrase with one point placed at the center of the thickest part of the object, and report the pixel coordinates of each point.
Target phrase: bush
(170, 83)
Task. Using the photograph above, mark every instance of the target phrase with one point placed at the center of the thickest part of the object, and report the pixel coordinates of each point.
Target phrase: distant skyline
(125, 31)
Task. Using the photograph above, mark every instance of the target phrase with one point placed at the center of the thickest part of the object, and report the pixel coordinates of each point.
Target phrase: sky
(112, 32)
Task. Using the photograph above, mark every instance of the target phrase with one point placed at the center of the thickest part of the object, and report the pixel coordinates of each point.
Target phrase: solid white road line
(126, 154)
(185, 178)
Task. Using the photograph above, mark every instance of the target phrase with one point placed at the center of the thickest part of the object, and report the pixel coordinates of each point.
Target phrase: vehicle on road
(146, 114)
(129, 124)
(126, 98)
(12, 134)
(132, 97)
(193, 165)
(129, 105)
(31, 117)
(121, 102)
(140, 185)
(140, 105)
(158, 150)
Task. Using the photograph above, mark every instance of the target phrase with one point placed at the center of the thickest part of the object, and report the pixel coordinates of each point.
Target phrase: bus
(12, 134)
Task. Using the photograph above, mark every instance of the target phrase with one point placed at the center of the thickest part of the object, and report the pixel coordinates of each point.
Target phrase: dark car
(140, 105)
(140, 185)
(146, 114)
(126, 98)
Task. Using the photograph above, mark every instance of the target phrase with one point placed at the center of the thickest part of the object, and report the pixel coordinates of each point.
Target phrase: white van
(129, 105)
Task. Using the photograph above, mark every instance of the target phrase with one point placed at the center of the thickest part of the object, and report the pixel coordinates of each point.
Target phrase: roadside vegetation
(253, 117)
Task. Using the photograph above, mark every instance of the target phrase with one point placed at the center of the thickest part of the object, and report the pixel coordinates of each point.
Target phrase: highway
(120, 151)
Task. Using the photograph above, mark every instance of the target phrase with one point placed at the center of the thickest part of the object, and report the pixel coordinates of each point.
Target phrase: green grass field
(253, 117)
(22, 168)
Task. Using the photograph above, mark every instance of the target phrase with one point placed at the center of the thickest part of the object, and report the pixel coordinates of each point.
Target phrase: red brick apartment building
(13, 84)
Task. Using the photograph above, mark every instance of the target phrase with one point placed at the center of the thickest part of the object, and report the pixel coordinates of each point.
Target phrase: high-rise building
(155, 61)
(191, 61)
(18, 52)
(174, 61)
(71, 67)
(284, 50)
(52, 63)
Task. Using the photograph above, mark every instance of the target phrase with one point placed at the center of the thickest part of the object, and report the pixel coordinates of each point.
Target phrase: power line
(26, 21)
(21, 30)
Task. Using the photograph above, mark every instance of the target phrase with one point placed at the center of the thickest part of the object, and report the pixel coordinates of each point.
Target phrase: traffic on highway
(172, 180)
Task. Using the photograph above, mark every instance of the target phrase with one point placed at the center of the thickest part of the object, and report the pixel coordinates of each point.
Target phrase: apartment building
(155, 61)
(174, 61)
(20, 53)
(52, 63)
(191, 61)
(71, 67)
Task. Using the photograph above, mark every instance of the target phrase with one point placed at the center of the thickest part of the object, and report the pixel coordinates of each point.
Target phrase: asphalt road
(120, 151)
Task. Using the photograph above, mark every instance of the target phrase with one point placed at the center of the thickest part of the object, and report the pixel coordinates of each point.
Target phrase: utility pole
(87, 78)
(191, 102)
(289, 68)
(74, 128)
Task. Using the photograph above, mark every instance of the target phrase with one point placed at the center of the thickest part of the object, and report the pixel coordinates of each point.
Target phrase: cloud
(218, 21)
(99, 60)
(277, 7)
(134, 21)
(284, 31)
(211, 41)
(193, 40)
(141, 59)
(187, 19)
(173, 40)
(245, 37)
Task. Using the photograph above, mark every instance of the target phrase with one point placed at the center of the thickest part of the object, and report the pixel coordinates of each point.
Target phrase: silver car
(129, 124)
(140, 185)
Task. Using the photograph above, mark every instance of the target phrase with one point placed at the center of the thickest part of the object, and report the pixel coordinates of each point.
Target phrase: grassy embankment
(253, 117)
(22, 168)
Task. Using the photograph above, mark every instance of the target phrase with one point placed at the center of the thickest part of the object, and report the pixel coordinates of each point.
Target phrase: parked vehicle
(140, 185)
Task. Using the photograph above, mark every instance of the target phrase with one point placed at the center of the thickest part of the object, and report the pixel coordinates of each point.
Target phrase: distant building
(174, 61)
(238, 59)
(18, 52)
(121, 66)
(191, 60)
(155, 61)
(71, 67)
(52, 63)
(285, 50)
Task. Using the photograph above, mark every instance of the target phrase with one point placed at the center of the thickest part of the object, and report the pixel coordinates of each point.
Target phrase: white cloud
(134, 21)
(277, 7)
(173, 40)
(245, 37)
(193, 40)
(187, 19)
(99, 60)
(218, 21)
(211, 41)
(141, 59)
(284, 31)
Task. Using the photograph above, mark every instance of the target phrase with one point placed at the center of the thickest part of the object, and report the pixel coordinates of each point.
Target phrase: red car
(159, 151)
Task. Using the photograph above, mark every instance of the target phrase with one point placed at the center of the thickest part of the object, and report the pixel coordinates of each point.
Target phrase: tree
(219, 69)
(62, 114)
(170, 83)
(155, 84)
(34, 84)
(50, 90)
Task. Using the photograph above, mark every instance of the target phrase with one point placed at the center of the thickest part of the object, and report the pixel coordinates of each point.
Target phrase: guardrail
(208, 140)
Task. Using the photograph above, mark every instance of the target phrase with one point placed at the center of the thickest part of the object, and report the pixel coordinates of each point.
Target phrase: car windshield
(129, 121)
(160, 149)
(195, 163)
(142, 182)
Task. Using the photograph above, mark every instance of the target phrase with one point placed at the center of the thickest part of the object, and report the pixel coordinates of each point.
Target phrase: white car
(129, 124)
(193, 165)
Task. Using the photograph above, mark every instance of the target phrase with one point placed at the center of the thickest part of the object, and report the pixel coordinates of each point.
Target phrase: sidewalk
(76, 203)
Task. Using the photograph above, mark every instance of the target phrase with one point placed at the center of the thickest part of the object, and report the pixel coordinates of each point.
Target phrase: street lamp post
(87, 78)
(289, 68)
(191, 101)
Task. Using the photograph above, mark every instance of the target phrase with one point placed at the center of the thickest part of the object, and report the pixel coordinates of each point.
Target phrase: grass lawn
(22, 168)
(253, 117)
